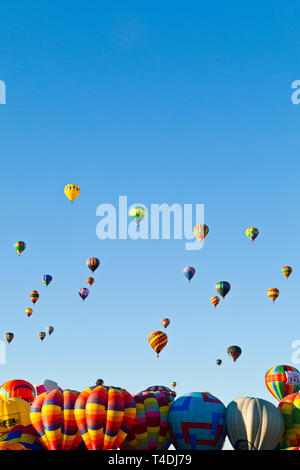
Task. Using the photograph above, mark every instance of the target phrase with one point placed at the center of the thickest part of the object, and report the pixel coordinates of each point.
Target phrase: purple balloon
(83, 292)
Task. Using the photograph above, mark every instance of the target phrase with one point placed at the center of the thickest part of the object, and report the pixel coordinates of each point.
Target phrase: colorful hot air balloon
(197, 421)
(104, 416)
(273, 293)
(201, 230)
(19, 247)
(215, 300)
(189, 272)
(21, 435)
(150, 429)
(219, 362)
(252, 233)
(137, 213)
(72, 191)
(157, 341)
(13, 411)
(289, 407)
(42, 335)
(277, 382)
(29, 312)
(173, 384)
(90, 281)
(253, 424)
(93, 263)
(47, 279)
(49, 330)
(161, 389)
(234, 352)
(287, 271)
(9, 337)
(52, 416)
(223, 288)
(165, 322)
(18, 388)
(34, 296)
(83, 292)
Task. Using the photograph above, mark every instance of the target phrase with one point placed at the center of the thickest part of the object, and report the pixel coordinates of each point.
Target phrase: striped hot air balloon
(19, 247)
(165, 322)
(9, 337)
(162, 389)
(252, 233)
(286, 271)
(24, 436)
(104, 416)
(34, 295)
(234, 352)
(276, 380)
(201, 230)
(215, 300)
(93, 263)
(18, 388)
(52, 416)
(223, 287)
(289, 407)
(273, 293)
(157, 341)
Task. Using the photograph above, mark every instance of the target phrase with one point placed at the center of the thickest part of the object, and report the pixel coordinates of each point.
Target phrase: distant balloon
(18, 389)
(157, 341)
(219, 362)
(201, 230)
(223, 288)
(162, 389)
(99, 382)
(34, 296)
(83, 292)
(252, 233)
(234, 352)
(9, 337)
(72, 191)
(47, 279)
(253, 424)
(90, 281)
(42, 335)
(20, 247)
(287, 271)
(189, 272)
(165, 322)
(29, 312)
(93, 263)
(215, 300)
(173, 384)
(273, 293)
(276, 380)
(49, 330)
(137, 213)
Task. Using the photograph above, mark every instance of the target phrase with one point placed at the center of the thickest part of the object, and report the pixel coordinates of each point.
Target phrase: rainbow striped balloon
(290, 409)
(273, 293)
(277, 382)
(201, 230)
(252, 233)
(23, 435)
(215, 300)
(165, 322)
(286, 271)
(157, 341)
(18, 388)
(34, 295)
(162, 389)
(104, 416)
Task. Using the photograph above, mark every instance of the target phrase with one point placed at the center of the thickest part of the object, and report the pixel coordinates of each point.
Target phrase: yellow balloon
(13, 412)
(72, 191)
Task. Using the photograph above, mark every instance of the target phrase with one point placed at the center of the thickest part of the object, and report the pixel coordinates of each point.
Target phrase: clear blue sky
(162, 102)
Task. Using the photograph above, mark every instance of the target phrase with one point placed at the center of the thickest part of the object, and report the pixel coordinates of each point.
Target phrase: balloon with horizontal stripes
(104, 416)
(23, 435)
(273, 293)
(52, 416)
(150, 429)
(18, 388)
(157, 341)
(276, 380)
(286, 271)
(162, 389)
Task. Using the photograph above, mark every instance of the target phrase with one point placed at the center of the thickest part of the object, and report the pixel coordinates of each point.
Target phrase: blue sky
(162, 103)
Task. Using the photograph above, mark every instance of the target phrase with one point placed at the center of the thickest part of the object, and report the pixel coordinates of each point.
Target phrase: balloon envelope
(189, 272)
(18, 388)
(223, 287)
(157, 341)
(20, 247)
(276, 380)
(47, 279)
(72, 191)
(252, 233)
(162, 389)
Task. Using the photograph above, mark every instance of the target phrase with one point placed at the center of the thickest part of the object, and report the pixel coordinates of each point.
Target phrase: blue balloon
(197, 422)
(189, 272)
(47, 279)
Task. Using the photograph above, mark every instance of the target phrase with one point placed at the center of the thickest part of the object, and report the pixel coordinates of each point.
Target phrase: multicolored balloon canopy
(165, 322)
(93, 263)
(189, 272)
(223, 287)
(273, 293)
(34, 296)
(278, 383)
(215, 300)
(252, 233)
(47, 279)
(234, 352)
(286, 271)
(83, 292)
(157, 341)
(201, 230)
(19, 247)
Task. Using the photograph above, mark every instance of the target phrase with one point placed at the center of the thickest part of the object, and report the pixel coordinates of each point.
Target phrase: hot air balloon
(161, 389)
(72, 191)
(201, 230)
(34, 296)
(150, 429)
(104, 416)
(49, 330)
(25, 436)
(234, 352)
(197, 421)
(287, 271)
(137, 213)
(215, 300)
(29, 312)
(9, 337)
(157, 341)
(219, 362)
(83, 292)
(47, 279)
(19, 247)
(90, 281)
(253, 424)
(18, 388)
(252, 233)
(223, 288)
(273, 293)
(277, 382)
(289, 407)
(13, 411)
(165, 322)
(52, 416)
(173, 384)
(92, 263)
(42, 335)
(47, 386)
(189, 272)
